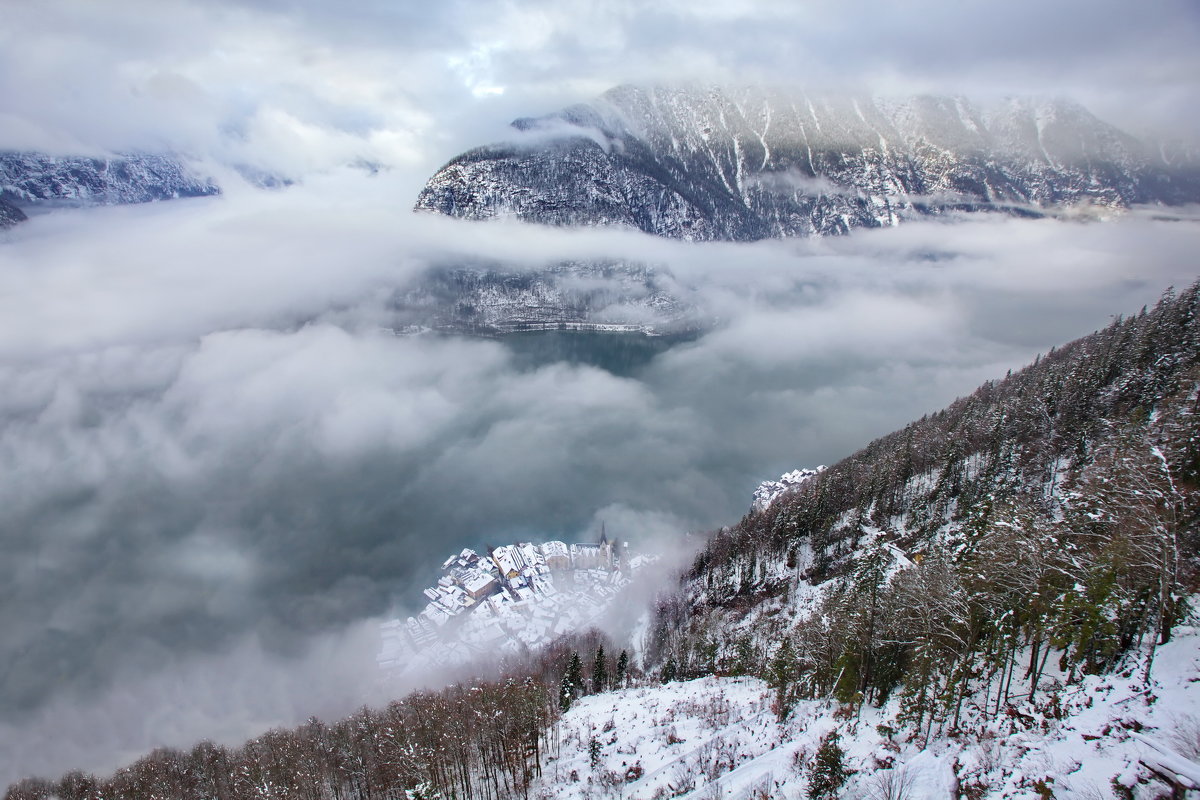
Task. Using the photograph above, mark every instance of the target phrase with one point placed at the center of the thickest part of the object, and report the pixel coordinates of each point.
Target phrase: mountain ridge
(33, 179)
(759, 163)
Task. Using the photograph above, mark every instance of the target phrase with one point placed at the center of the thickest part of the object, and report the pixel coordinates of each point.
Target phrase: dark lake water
(622, 353)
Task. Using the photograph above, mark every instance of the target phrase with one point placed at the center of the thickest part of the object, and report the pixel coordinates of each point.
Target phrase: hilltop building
(593, 555)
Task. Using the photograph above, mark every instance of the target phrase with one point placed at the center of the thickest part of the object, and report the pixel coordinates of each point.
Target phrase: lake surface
(624, 354)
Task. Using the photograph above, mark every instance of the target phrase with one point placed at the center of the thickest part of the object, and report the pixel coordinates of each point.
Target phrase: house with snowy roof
(535, 562)
(479, 584)
(508, 560)
(556, 555)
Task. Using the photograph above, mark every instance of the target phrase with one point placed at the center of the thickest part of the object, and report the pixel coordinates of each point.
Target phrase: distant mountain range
(751, 164)
(29, 180)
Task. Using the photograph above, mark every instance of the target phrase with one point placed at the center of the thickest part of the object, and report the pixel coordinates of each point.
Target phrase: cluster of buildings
(519, 595)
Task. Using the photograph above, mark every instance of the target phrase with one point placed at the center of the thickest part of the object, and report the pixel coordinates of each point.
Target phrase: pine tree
(572, 682)
(781, 676)
(743, 661)
(600, 671)
(828, 771)
(622, 669)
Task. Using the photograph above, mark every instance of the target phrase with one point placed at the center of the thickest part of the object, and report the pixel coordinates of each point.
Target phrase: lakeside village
(518, 596)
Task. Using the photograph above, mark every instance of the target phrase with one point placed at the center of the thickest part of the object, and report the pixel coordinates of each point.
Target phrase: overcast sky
(216, 474)
(297, 86)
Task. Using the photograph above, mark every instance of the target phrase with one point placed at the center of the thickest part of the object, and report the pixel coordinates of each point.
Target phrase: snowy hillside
(719, 737)
(757, 163)
(1029, 554)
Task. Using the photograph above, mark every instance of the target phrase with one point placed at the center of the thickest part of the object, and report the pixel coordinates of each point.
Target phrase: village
(518, 596)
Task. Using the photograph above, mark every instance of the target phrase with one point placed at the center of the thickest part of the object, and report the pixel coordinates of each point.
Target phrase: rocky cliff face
(754, 164)
(36, 178)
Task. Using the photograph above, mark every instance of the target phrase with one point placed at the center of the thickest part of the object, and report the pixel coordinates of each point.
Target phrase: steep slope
(756, 163)
(704, 738)
(720, 737)
(1029, 439)
(987, 560)
(37, 179)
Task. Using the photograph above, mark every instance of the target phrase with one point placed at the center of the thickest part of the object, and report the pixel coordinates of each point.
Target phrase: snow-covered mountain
(756, 163)
(33, 179)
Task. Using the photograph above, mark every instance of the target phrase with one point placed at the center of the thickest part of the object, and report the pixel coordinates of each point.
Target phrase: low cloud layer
(217, 466)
